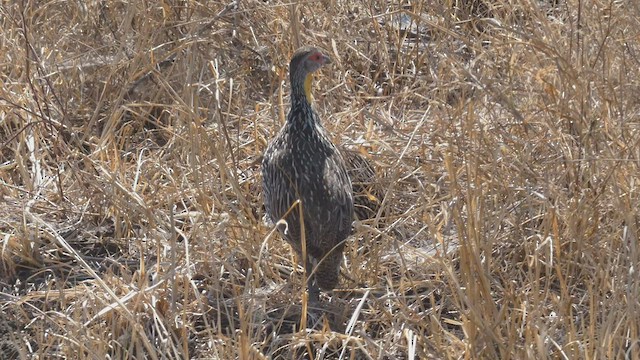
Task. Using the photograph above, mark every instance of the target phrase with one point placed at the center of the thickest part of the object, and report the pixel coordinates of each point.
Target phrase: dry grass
(506, 131)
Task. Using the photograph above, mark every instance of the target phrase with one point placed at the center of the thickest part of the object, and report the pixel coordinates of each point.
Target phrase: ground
(505, 134)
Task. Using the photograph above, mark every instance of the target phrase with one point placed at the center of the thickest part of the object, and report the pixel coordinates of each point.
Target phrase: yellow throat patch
(307, 88)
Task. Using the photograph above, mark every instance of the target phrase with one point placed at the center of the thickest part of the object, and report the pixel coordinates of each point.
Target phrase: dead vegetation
(506, 133)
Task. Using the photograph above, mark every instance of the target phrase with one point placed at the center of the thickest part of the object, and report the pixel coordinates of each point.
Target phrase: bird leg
(312, 286)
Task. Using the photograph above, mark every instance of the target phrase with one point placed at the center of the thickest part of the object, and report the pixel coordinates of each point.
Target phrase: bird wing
(276, 181)
(342, 194)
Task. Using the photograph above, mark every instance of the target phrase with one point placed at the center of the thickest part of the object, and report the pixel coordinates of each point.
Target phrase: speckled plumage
(302, 163)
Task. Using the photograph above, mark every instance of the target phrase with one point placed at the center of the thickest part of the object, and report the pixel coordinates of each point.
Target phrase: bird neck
(302, 115)
(301, 90)
(307, 88)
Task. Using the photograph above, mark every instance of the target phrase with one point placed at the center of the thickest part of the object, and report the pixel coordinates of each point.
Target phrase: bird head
(304, 63)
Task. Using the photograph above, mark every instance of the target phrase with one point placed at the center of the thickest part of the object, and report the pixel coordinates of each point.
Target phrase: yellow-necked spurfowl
(301, 163)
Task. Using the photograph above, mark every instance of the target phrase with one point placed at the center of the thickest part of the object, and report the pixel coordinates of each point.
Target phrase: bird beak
(326, 60)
